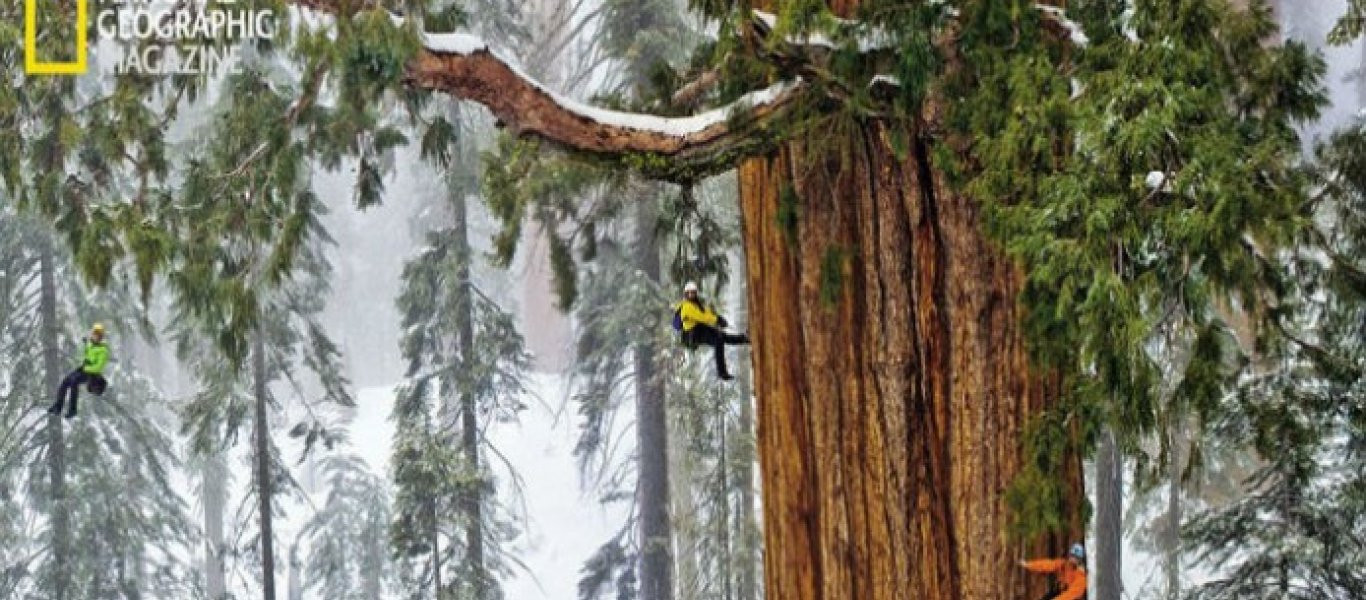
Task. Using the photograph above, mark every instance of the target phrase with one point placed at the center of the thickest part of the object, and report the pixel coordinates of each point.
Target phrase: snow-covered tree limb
(1058, 17)
(465, 67)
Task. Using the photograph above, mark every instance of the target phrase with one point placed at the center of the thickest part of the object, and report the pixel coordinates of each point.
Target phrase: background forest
(381, 331)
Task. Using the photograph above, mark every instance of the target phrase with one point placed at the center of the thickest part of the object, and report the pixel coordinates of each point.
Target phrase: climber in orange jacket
(1070, 573)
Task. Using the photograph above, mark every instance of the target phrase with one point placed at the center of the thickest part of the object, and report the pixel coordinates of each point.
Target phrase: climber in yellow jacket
(700, 324)
(1070, 573)
(91, 372)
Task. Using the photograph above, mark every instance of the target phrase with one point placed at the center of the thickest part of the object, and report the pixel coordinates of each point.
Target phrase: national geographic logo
(155, 37)
(33, 64)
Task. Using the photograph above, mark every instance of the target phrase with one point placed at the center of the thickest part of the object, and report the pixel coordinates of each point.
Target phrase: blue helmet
(1077, 552)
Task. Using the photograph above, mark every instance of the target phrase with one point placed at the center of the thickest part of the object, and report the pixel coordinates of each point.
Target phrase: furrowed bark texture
(890, 420)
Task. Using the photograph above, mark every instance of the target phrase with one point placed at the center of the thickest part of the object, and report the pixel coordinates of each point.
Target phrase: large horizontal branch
(461, 65)
(465, 67)
(674, 148)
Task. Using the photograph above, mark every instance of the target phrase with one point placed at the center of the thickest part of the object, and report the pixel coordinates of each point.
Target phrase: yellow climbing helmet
(98, 328)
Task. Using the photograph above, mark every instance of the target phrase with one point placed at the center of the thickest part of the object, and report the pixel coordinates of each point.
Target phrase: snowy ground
(565, 525)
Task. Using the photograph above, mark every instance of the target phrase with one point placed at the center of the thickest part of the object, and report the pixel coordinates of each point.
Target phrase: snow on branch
(873, 41)
(880, 40)
(465, 45)
(466, 67)
(1059, 16)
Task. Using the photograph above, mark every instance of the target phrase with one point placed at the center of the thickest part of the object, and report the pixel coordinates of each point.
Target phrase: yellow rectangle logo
(34, 66)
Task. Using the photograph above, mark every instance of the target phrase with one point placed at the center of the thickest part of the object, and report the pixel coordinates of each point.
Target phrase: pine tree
(291, 341)
(466, 364)
(287, 342)
(1297, 531)
(1157, 219)
(214, 481)
(347, 556)
(619, 311)
(125, 527)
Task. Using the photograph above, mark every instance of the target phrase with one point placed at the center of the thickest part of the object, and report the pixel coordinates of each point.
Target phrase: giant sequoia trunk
(889, 414)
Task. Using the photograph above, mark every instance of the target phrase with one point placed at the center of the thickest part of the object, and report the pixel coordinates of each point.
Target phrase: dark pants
(1054, 594)
(71, 390)
(711, 336)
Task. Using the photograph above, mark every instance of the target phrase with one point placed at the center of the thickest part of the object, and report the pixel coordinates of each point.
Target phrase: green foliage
(128, 525)
(701, 231)
(519, 184)
(645, 35)
(620, 309)
(347, 537)
(129, 519)
(1351, 25)
(1039, 498)
(1066, 173)
(227, 224)
(295, 344)
(372, 56)
(466, 370)
(1296, 531)
(714, 521)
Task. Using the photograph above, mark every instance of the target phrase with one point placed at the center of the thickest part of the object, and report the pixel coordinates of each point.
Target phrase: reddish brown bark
(889, 422)
(527, 109)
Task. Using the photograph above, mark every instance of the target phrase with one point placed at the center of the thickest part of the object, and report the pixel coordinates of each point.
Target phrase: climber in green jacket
(91, 373)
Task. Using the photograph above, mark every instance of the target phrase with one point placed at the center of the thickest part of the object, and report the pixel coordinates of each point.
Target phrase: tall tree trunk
(1171, 534)
(135, 552)
(437, 591)
(371, 580)
(683, 524)
(296, 580)
(214, 494)
(891, 412)
(748, 550)
(1109, 519)
(264, 484)
(656, 540)
(56, 449)
(722, 495)
(895, 383)
(472, 502)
